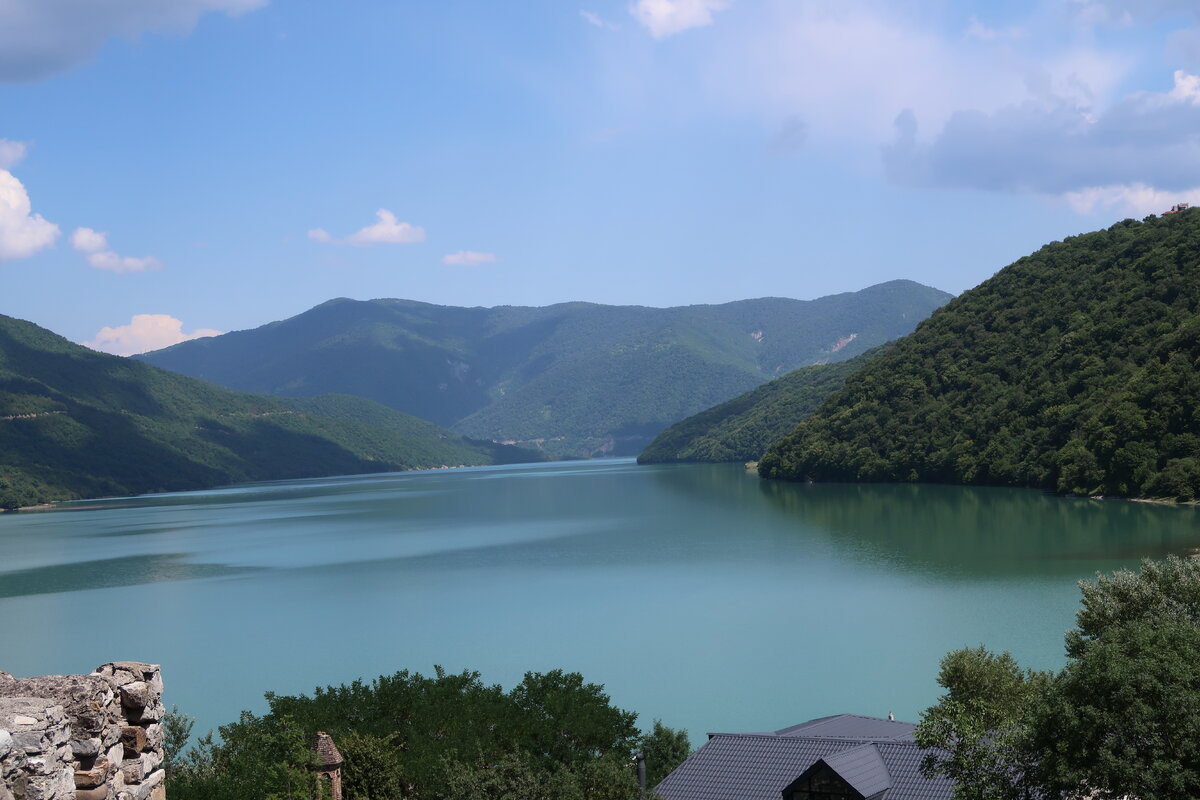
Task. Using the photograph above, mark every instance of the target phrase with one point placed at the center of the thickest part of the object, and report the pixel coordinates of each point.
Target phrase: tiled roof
(327, 752)
(862, 767)
(759, 766)
(851, 726)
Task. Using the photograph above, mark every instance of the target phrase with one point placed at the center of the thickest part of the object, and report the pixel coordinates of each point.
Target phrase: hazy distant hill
(1074, 369)
(743, 428)
(576, 378)
(76, 423)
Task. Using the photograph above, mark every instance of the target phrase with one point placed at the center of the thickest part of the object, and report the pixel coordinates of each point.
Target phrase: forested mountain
(1074, 369)
(574, 378)
(76, 423)
(743, 428)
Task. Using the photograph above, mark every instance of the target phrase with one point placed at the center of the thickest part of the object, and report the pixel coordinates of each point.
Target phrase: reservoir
(695, 593)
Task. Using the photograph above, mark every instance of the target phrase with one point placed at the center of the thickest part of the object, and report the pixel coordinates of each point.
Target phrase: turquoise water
(696, 594)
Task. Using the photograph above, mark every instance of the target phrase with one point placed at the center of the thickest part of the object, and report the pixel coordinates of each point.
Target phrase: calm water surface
(696, 594)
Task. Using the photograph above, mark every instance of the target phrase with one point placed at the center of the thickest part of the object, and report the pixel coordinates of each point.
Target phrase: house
(832, 758)
(1175, 209)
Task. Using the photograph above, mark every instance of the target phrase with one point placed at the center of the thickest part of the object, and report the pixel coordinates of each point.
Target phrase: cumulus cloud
(387, 230)
(11, 153)
(41, 37)
(1147, 141)
(850, 66)
(22, 233)
(665, 18)
(145, 332)
(1135, 199)
(94, 246)
(468, 258)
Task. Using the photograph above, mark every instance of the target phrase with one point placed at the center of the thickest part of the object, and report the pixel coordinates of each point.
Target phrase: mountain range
(574, 379)
(77, 423)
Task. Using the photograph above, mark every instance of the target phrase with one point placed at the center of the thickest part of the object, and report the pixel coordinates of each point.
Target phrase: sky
(176, 168)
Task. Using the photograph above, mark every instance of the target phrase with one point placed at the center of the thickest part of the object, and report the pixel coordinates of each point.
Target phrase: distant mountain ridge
(1075, 369)
(574, 378)
(77, 423)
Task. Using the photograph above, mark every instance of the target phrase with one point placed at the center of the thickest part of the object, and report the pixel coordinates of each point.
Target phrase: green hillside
(1074, 370)
(743, 428)
(574, 378)
(76, 423)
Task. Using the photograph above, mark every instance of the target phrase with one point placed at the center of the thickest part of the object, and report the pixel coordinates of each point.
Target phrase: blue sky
(174, 167)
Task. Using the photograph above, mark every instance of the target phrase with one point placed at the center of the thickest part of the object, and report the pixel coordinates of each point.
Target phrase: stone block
(144, 789)
(154, 735)
(98, 793)
(93, 777)
(136, 695)
(158, 793)
(29, 741)
(86, 748)
(6, 743)
(133, 739)
(133, 771)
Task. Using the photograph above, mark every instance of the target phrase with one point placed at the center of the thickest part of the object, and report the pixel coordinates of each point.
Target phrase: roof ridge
(859, 739)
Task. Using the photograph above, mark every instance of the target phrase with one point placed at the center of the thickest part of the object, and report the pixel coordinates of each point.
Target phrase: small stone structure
(329, 765)
(83, 737)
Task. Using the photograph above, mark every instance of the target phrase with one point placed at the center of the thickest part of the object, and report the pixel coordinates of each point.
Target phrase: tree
(1162, 591)
(979, 730)
(177, 730)
(1123, 719)
(257, 757)
(664, 749)
(568, 721)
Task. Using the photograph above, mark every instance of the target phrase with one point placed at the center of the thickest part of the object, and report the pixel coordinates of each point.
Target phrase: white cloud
(850, 66)
(387, 230)
(665, 18)
(86, 240)
(1187, 88)
(94, 245)
(41, 37)
(145, 332)
(596, 20)
(22, 233)
(1120, 155)
(468, 258)
(1136, 199)
(11, 153)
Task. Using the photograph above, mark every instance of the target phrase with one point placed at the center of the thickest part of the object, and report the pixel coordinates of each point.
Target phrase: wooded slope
(743, 428)
(77, 423)
(1074, 369)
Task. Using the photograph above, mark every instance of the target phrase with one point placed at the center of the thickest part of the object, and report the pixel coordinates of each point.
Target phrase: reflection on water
(695, 593)
(105, 572)
(973, 532)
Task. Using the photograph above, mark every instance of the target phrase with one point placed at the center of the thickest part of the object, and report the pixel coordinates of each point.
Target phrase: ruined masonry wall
(83, 737)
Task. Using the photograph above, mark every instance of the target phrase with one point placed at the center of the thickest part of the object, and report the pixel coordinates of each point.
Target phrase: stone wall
(83, 737)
